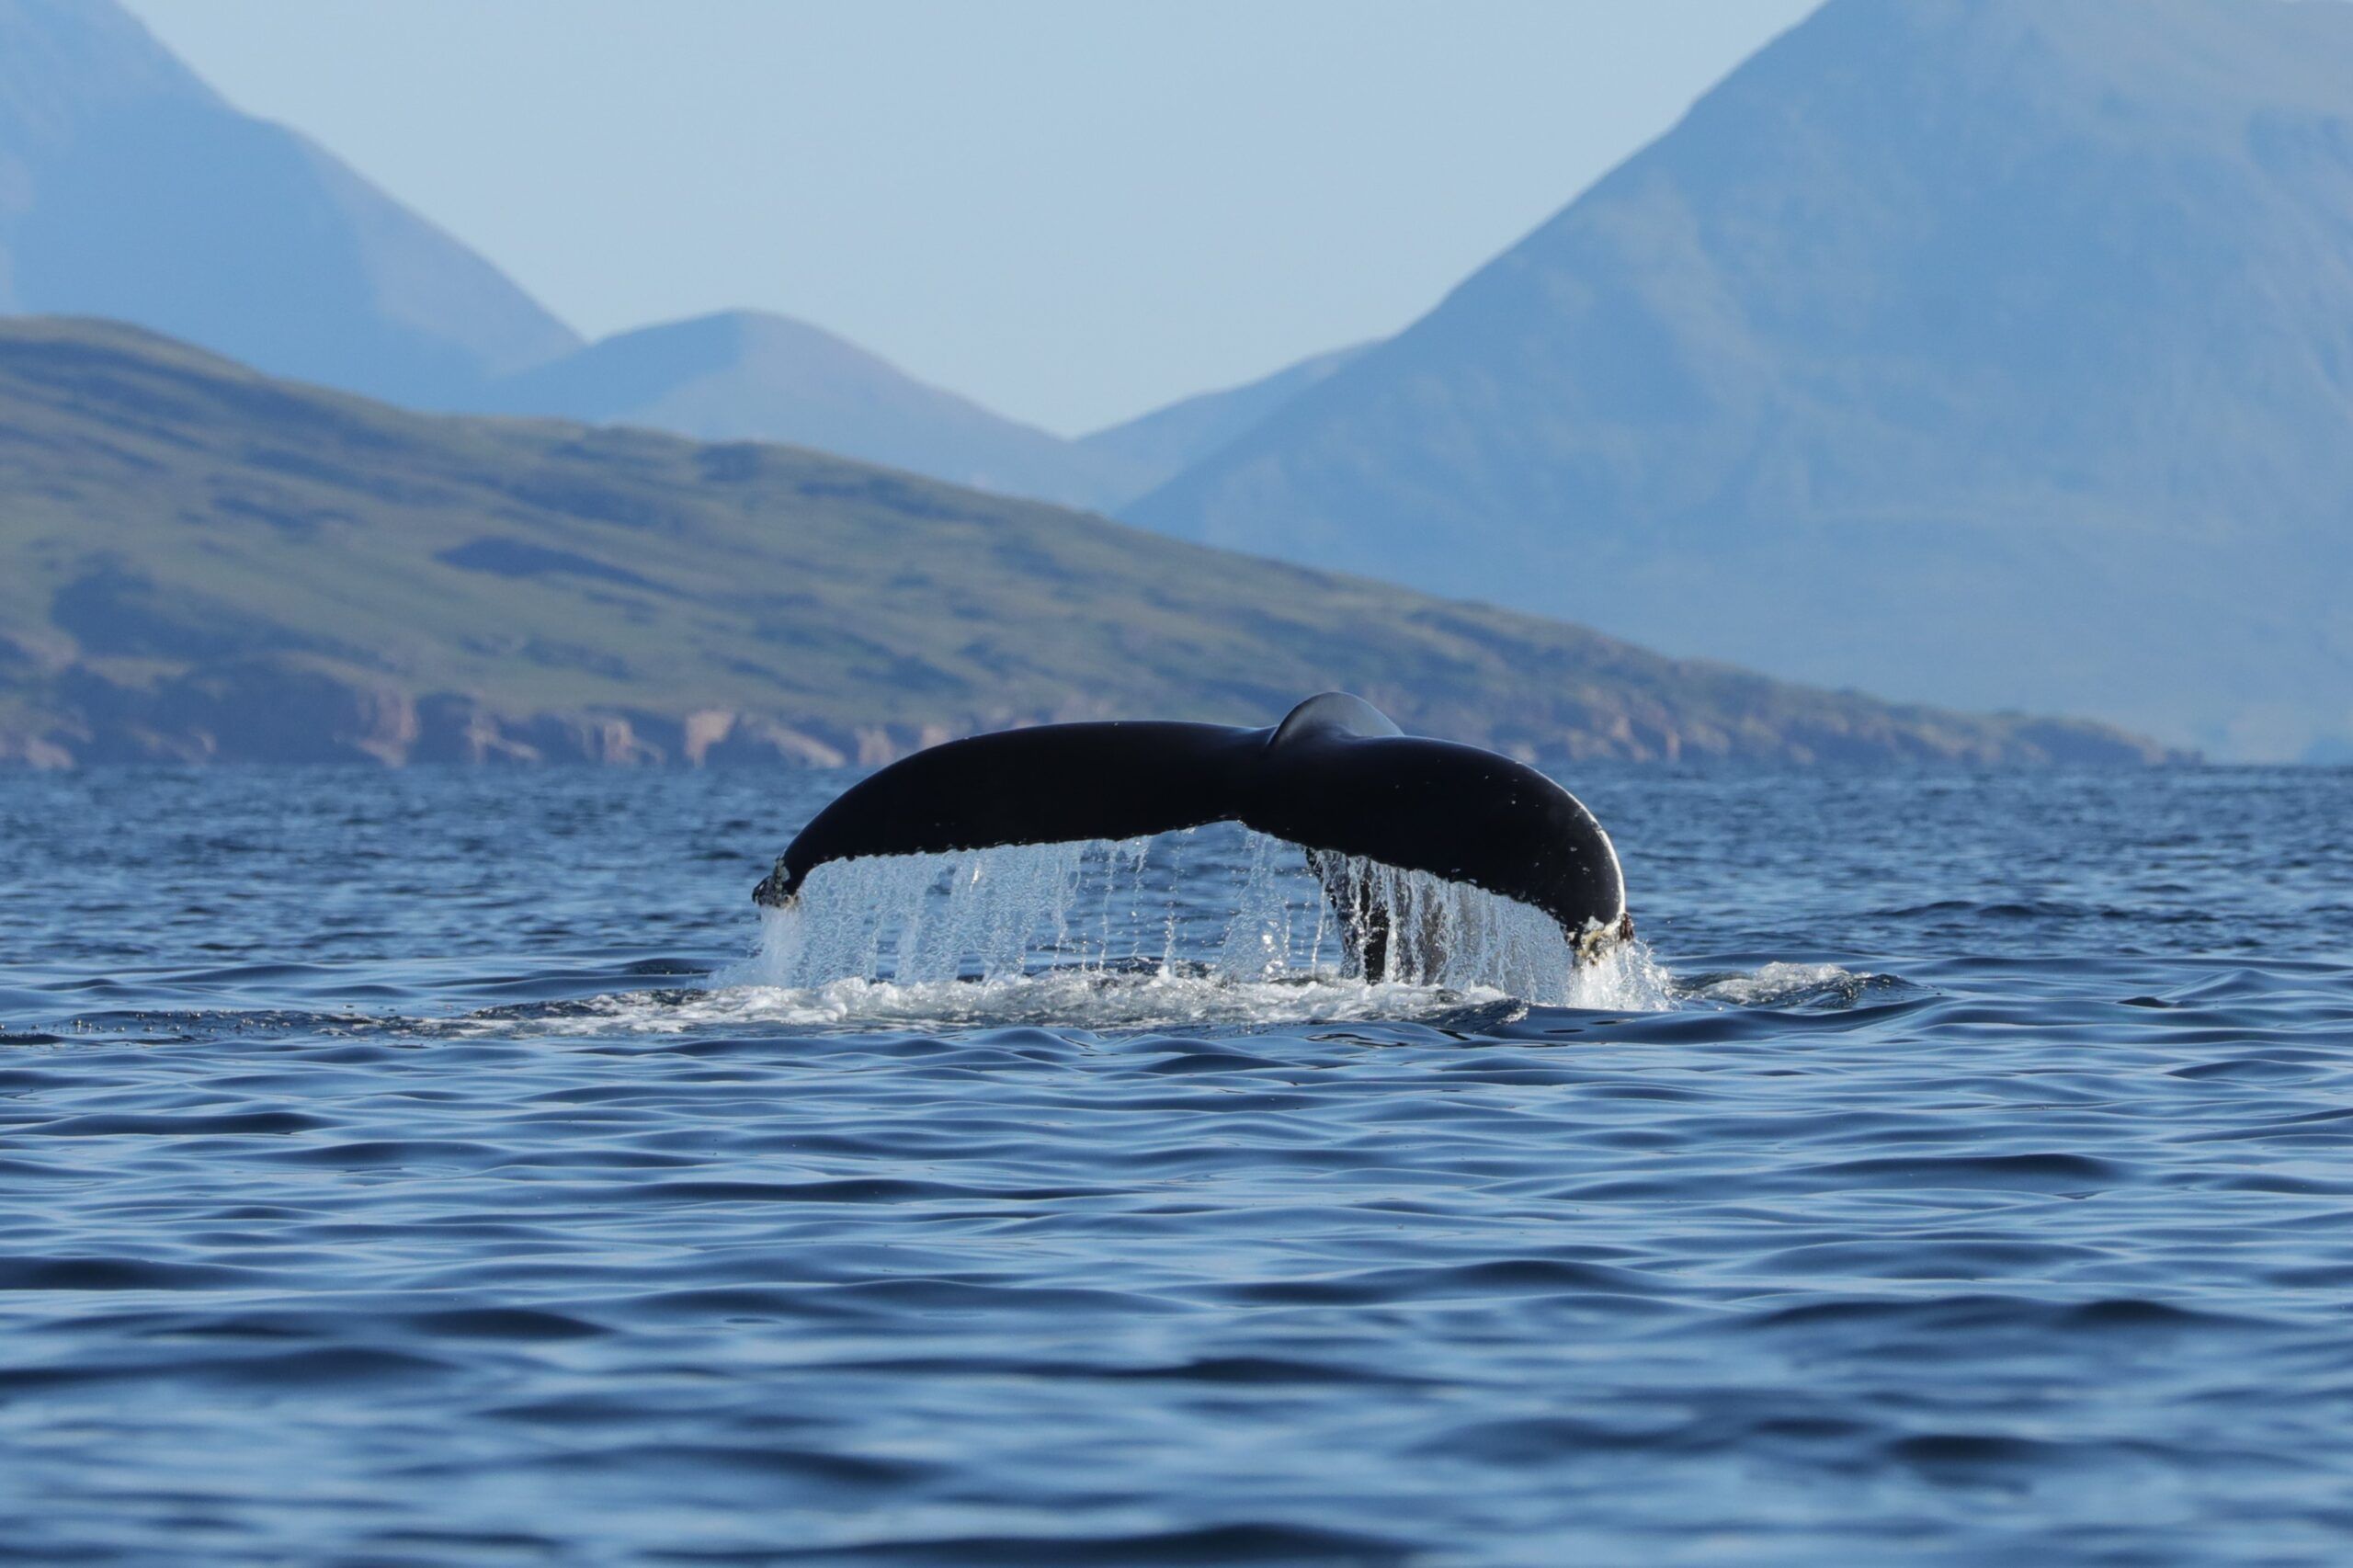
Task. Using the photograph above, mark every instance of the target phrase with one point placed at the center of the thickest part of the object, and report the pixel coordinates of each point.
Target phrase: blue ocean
(426, 1168)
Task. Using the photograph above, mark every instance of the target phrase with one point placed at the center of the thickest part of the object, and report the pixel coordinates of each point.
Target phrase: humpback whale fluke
(1336, 778)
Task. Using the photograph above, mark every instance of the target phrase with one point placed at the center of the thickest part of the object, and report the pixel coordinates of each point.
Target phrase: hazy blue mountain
(746, 375)
(753, 376)
(1168, 441)
(127, 188)
(1996, 353)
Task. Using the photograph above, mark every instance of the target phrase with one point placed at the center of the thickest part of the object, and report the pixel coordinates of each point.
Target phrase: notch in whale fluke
(1336, 777)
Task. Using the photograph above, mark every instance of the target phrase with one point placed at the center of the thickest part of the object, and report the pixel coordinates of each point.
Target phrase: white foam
(1774, 982)
(1061, 998)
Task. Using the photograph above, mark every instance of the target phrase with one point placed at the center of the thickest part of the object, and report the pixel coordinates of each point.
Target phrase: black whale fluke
(1334, 776)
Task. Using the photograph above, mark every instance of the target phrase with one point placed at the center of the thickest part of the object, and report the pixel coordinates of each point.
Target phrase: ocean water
(453, 1167)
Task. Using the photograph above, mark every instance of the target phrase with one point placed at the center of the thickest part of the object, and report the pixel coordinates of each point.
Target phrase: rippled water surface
(436, 1167)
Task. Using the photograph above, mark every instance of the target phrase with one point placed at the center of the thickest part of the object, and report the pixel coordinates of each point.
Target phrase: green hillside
(198, 561)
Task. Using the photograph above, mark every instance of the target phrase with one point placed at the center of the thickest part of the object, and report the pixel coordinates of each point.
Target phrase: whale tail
(1334, 776)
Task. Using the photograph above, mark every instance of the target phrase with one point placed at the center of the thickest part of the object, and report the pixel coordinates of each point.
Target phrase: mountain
(746, 375)
(1166, 442)
(1995, 353)
(198, 562)
(754, 376)
(129, 189)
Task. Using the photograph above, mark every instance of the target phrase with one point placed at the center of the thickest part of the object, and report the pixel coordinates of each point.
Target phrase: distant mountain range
(127, 188)
(754, 376)
(1996, 352)
(1163, 443)
(744, 375)
(200, 563)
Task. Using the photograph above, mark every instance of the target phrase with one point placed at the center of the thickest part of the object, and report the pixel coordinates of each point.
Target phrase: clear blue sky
(1070, 210)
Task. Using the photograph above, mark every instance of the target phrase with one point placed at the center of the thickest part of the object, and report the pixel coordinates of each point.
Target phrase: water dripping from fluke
(1211, 926)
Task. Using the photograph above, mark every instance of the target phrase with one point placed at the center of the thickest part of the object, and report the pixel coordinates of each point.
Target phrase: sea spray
(1213, 925)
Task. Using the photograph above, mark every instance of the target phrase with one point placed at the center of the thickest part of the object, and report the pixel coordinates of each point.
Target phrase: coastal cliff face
(271, 711)
(268, 711)
(200, 564)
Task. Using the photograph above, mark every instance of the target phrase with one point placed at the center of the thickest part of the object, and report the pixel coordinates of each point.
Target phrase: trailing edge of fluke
(1336, 778)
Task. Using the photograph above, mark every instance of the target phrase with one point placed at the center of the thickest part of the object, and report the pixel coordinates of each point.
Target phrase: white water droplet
(1201, 928)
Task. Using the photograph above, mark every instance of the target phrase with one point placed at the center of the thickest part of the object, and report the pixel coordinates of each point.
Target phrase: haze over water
(423, 1166)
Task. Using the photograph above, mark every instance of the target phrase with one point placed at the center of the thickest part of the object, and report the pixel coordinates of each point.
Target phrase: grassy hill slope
(198, 562)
